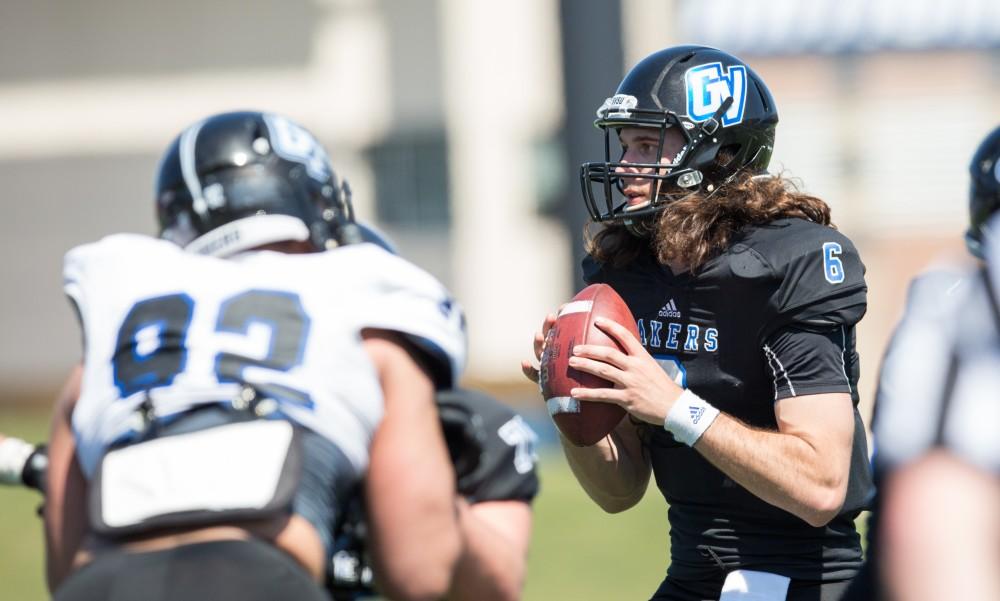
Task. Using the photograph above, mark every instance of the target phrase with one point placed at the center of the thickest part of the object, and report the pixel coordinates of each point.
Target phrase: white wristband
(14, 453)
(690, 416)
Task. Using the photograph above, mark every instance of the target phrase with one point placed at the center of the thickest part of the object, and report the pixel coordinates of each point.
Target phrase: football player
(741, 389)
(241, 377)
(492, 451)
(912, 404)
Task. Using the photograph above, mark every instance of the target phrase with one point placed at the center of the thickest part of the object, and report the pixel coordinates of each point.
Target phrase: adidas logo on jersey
(669, 310)
(696, 413)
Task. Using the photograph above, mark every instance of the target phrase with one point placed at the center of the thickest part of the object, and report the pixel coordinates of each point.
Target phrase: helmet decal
(189, 139)
(293, 143)
(618, 106)
(709, 85)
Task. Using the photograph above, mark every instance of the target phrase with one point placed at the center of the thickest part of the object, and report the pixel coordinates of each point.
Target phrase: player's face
(639, 146)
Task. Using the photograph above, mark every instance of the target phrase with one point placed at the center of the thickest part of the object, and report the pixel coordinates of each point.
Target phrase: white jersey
(183, 330)
(939, 376)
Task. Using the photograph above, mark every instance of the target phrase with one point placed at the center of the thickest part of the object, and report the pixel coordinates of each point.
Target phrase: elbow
(616, 504)
(824, 505)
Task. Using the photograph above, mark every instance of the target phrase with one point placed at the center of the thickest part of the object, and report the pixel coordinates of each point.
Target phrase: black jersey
(770, 318)
(503, 467)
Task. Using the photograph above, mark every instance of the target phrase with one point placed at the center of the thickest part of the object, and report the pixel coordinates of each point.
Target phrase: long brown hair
(700, 225)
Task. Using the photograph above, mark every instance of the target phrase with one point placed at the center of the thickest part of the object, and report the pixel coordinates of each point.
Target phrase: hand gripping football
(582, 422)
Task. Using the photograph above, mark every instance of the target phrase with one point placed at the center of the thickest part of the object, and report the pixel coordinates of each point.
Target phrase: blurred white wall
(90, 93)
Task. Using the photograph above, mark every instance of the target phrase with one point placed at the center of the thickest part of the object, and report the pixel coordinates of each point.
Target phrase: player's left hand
(642, 388)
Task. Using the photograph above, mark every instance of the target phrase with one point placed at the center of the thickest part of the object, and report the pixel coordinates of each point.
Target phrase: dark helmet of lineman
(234, 181)
(721, 107)
(984, 189)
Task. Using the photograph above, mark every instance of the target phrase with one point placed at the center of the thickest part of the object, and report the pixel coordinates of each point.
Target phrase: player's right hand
(530, 368)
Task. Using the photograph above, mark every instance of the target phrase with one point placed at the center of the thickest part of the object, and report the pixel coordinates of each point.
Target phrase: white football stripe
(562, 404)
(580, 306)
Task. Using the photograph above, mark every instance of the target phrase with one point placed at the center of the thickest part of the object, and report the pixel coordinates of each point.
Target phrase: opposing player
(741, 389)
(240, 381)
(917, 381)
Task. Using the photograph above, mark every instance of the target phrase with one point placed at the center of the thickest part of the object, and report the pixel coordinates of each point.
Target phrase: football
(582, 422)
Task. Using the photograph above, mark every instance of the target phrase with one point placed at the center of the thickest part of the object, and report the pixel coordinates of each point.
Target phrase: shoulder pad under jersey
(814, 273)
(100, 263)
(401, 297)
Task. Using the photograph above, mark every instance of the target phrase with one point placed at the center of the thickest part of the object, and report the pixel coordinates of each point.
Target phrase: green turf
(580, 552)
(21, 571)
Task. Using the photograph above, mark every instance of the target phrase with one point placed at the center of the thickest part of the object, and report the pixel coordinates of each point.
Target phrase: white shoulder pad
(403, 298)
(88, 262)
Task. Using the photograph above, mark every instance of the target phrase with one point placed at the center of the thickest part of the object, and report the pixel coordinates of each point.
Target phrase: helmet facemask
(669, 181)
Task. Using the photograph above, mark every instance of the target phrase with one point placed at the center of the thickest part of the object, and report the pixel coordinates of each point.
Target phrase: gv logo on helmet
(292, 142)
(709, 85)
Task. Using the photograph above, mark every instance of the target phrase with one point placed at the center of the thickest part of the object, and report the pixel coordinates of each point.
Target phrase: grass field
(578, 552)
(21, 571)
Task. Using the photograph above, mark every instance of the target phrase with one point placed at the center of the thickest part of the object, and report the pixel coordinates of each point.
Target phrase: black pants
(213, 571)
(696, 590)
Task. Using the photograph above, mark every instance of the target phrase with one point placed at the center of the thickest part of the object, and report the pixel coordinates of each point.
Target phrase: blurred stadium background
(460, 126)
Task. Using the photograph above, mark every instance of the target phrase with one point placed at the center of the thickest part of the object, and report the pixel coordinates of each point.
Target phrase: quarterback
(741, 388)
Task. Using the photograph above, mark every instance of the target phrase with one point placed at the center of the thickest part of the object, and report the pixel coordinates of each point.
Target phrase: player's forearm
(930, 555)
(492, 565)
(783, 469)
(614, 472)
(65, 515)
(413, 531)
(410, 486)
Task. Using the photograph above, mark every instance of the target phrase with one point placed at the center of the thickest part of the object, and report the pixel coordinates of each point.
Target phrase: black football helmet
(984, 190)
(713, 98)
(234, 181)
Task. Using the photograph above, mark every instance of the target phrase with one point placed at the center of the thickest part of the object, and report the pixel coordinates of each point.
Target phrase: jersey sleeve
(819, 280)
(84, 267)
(405, 299)
(804, 362)
(75, 265)
(506, 469)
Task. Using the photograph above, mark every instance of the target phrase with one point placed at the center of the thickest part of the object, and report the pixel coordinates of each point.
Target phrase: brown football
(582, 422)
